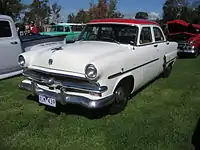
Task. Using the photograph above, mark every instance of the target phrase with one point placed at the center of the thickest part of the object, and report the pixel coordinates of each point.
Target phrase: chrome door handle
(14, 42)
(156, 45)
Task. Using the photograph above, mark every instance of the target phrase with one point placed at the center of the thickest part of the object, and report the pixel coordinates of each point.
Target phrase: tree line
(39, 11)
(44, 12)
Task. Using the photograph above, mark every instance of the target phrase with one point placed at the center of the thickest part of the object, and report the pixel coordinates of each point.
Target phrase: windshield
(77, 28)
(110, 32)
(57, 29)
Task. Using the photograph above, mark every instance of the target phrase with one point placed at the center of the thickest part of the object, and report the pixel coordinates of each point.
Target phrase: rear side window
(67, 29)
(5, 30)
(146, 36)
(158, 34)
(77, 28)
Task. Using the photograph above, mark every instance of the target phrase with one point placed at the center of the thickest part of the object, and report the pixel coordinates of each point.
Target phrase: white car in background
(111, 59)
(11, 45)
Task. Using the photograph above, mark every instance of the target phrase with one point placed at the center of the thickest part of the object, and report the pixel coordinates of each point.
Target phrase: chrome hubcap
(119, 96)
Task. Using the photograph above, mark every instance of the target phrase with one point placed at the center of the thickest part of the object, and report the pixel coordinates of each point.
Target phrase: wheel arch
(128, 80)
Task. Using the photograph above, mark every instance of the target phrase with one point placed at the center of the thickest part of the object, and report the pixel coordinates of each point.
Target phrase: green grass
(160, 117)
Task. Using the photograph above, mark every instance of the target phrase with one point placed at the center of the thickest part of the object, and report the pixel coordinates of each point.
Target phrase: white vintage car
(111, 59)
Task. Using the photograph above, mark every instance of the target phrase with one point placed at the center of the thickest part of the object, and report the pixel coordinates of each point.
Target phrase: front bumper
(64, 98)
(186, 51)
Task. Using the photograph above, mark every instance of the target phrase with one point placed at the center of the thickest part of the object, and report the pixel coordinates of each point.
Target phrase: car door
(150, 55)
(10, 47)
(162, 45)
(70, 34)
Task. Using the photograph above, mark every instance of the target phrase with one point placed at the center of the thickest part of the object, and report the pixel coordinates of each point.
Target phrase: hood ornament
(50, 81)
(56, 49)
(50, 61)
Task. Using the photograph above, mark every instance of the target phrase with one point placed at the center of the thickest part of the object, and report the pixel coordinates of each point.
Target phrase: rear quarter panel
(171, 51)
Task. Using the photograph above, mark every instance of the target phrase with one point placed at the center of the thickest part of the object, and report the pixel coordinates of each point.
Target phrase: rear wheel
(120, 100)
(167, 71)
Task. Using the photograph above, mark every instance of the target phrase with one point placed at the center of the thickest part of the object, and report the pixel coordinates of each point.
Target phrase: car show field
(99, 75)
(161, 116)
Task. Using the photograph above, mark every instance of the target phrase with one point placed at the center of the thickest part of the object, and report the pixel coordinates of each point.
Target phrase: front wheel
(196, 53)
(120, 101)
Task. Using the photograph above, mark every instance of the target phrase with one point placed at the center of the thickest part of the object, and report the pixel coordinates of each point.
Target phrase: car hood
(74, 57)
(180, 37)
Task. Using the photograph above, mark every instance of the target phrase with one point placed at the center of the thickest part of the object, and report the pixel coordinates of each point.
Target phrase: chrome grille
(69, 83)
(182, 46)
(42, 75)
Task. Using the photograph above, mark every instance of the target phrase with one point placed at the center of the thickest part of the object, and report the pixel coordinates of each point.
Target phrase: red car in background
(186, 35)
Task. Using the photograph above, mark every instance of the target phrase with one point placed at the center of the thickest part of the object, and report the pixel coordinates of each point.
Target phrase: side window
(67, 29)
(158, 34)
(77, 28)
(5, 30)
(107, 32)
(128, 34)
(145, 36)
(60, 28)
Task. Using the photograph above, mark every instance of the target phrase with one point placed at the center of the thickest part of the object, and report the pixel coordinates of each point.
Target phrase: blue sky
(125, 6)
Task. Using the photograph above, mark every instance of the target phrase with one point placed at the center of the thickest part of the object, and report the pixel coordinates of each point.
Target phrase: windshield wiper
(111, 39)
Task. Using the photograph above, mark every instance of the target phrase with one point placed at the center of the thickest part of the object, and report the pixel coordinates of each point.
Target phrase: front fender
(120, 78)
(35, 50)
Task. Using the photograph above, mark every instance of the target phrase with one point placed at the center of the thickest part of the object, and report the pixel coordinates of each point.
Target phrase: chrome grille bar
(65, 82)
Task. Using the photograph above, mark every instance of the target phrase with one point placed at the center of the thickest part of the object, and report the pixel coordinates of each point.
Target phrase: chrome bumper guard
(64, 98)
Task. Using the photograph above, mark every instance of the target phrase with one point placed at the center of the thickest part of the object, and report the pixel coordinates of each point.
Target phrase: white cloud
(154, 15)
(129, 15)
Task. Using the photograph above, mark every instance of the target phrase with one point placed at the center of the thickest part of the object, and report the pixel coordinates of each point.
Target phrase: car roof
(124, 21)
(5, 17)
(70, 24)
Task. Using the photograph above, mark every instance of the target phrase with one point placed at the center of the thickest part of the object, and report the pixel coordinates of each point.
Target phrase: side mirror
(132, 44)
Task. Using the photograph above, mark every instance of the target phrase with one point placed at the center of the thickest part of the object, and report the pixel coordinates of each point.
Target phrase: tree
(11, 8)
(39, 11)
(82, 16)
(182, 9)
(196, 13)
(55, 8)
(71, 18)
(175, 9)
(101, 9)
(141, 15)
(112, 10)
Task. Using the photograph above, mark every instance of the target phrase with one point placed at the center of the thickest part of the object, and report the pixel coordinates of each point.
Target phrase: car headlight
(91, 72)
(191, 42)
(21, 60)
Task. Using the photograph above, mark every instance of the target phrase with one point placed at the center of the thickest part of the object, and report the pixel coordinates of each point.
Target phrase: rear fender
(169, 58)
